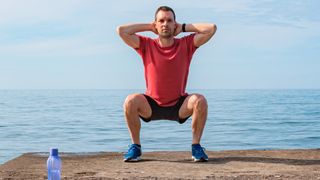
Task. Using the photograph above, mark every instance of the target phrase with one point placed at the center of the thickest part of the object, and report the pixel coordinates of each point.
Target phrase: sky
(266, 44)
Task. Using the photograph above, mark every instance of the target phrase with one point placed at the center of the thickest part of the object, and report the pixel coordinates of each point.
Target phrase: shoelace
(131, 148)
(200, 150)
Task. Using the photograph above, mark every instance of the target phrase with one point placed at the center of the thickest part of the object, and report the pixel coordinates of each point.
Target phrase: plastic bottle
(54, 165)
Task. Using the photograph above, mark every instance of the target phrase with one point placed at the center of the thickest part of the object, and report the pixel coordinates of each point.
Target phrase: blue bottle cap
(54, 152)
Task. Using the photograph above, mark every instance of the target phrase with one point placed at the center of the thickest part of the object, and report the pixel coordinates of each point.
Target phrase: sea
(90, 121)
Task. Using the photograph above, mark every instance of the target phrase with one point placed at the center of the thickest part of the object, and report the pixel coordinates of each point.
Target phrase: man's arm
(204, 32)
(128, 33)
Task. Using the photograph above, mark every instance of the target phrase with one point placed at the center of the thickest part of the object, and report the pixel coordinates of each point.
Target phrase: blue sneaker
(198, 153)
(133, 154)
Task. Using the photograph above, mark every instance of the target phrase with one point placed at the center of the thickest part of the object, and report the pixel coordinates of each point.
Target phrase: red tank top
(166, 69)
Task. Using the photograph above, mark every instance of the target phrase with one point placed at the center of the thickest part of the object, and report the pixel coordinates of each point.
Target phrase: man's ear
(154, 27)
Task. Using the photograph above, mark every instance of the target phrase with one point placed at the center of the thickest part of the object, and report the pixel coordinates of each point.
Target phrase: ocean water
(93, 121)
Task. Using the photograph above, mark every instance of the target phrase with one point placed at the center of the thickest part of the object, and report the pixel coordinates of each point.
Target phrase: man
(166, 65)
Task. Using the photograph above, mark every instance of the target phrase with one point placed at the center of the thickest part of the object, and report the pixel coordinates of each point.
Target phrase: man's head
(165, 21)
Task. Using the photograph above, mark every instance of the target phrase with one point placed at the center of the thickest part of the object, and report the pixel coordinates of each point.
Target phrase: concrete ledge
(242, 164)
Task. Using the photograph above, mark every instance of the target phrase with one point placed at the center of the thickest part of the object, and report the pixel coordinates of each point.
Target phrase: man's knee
(200, 102)
(131, 102)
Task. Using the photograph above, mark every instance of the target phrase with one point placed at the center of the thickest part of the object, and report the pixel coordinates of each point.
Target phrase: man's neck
(166, 42)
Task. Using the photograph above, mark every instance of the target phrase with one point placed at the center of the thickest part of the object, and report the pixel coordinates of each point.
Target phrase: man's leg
(135, 105)
(195, 105)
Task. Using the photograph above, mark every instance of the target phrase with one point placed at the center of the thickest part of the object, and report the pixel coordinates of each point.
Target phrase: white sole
(199, 160)
(132, 160)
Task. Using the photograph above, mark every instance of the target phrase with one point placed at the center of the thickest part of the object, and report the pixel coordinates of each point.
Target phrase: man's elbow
(213, 29)
(120, 30)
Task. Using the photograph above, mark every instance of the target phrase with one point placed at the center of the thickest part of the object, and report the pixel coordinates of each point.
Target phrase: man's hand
(178, 29)
(153, 27)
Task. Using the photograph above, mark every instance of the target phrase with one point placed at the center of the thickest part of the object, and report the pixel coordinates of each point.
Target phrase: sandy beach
(241, 164)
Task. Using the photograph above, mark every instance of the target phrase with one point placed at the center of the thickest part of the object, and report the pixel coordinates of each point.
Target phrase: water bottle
(54, 165)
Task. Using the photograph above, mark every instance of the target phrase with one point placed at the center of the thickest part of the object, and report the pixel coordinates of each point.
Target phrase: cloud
(68, 46)
(250, 12)
(35, 11)
(266, 36)
(60, 28)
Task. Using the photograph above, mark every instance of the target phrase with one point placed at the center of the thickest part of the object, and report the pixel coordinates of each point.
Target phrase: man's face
(165, 24)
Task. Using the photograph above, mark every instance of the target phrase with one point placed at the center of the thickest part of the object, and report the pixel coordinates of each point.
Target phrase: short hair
(164, 8)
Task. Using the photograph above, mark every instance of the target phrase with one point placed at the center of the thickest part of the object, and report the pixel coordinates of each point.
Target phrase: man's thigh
(142, 104)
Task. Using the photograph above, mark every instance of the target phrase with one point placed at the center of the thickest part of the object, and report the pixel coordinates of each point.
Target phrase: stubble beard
(166, 35)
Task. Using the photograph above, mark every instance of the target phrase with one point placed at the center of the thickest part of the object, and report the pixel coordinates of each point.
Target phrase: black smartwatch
(184, 27)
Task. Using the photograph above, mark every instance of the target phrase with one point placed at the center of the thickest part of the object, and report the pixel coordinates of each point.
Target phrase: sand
(241, 164)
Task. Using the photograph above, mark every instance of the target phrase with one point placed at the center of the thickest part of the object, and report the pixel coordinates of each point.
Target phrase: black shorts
(167, 113)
